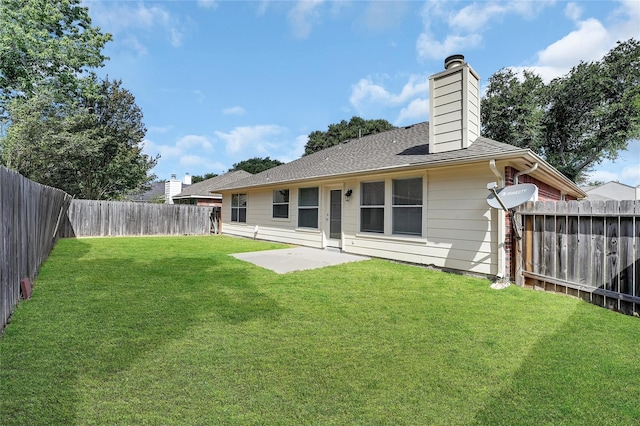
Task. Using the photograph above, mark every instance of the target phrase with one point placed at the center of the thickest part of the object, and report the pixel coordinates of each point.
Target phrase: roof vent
(453, 61)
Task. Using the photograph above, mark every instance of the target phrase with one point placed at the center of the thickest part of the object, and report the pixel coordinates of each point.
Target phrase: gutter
(525, 172)
(532, 157)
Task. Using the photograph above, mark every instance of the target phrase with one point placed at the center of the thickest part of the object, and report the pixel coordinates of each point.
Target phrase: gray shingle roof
(204, 188)
(396, 148)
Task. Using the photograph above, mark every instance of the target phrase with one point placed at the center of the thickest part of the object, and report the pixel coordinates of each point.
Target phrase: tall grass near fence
(30, 215)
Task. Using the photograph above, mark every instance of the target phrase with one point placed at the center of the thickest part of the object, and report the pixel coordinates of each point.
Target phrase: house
(204, 193)
(414, 194)
(154, 194)
(612, 191)
(174, 186)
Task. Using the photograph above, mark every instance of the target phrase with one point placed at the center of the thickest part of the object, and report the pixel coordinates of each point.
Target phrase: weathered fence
(30, 215)
(90, 218)
(586, 249)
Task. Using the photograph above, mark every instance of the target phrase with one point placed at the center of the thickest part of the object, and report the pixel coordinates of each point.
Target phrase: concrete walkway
(297, 259)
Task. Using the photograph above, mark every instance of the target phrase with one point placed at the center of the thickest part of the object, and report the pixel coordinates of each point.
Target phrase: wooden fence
(586, 249)
(89, 218)
(30, 215)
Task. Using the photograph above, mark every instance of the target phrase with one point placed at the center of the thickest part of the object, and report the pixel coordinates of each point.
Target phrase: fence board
(584, 251)
(549, 259)
(91, 218)
(573, 261)
(597, 250)
(561, 247)
(584, 246)
(30, 213)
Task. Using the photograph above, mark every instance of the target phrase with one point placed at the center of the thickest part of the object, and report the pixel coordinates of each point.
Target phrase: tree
(574, 122)
(340, 132)
(47, 42)
(256, 165)
(91, 148)
(200, 178)
(61, 125)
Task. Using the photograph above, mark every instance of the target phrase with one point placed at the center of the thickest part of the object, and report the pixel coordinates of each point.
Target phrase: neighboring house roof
(404, 147)
(154, 193)
(611, 191)
(207, 188)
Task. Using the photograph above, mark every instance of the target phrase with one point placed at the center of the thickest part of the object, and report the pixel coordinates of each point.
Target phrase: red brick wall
(545, 193)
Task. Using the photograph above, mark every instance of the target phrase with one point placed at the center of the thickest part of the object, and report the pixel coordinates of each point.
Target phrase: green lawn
(136, 331)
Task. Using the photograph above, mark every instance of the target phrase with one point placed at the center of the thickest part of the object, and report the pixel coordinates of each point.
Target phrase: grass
(175, 331)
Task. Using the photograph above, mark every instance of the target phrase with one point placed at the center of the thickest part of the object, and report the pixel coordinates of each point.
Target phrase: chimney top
(453, 61)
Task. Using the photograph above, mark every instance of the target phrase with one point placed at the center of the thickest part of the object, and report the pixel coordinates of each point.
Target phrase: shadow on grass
(96, 317)
(554, 387)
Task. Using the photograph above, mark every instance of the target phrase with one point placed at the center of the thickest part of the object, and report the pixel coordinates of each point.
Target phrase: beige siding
(261, 224)
(473, 109)
(455, 109)
(459, 228)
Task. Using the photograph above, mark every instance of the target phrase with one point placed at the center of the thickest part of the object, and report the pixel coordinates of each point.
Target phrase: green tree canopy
(575, 121)
(200, 178)
(61, 125)
(91, 149)
(46, 42)
(256, 165)
(342, 131)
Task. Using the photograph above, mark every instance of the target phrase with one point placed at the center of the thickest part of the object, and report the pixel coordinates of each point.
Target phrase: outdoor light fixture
(348, 194)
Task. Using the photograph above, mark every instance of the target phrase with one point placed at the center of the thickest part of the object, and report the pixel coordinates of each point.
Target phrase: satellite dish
(512, 196)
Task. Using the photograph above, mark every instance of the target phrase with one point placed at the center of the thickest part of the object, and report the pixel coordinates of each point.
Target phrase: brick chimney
(454, 101)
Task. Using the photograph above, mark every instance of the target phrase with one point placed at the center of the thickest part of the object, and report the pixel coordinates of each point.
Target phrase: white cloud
(366, 93)
(208, 4)
(160, 129)
(631, 174)
(295, 151)
(625, 169)
(573, 11)
(188, 142)
(430, 48)
(602, 176)
(416, 111)
(370, 98)
(236, 110)
(123, 17)
(133, 43)
(198, 162)
(476, 16)
(589, 41)
(166, 152)
(302, 17)
(199, 95)
(252, 140)
(464, 27)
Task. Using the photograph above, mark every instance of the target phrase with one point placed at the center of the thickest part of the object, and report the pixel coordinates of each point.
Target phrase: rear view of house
(414, 194)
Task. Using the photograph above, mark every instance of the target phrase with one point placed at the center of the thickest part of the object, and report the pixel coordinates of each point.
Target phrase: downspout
(502, 256)
(518, 226)
(524, 172)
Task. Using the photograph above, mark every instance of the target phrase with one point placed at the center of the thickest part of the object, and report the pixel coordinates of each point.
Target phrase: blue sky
(224, 81)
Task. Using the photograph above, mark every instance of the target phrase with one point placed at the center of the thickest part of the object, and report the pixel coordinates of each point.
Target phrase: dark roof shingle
(396, 148)
(205, 187)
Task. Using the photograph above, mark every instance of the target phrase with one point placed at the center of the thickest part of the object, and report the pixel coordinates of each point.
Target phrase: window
(281, 203)
(239, 208)
(308, 207)
(407, 206)
(372, 207)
